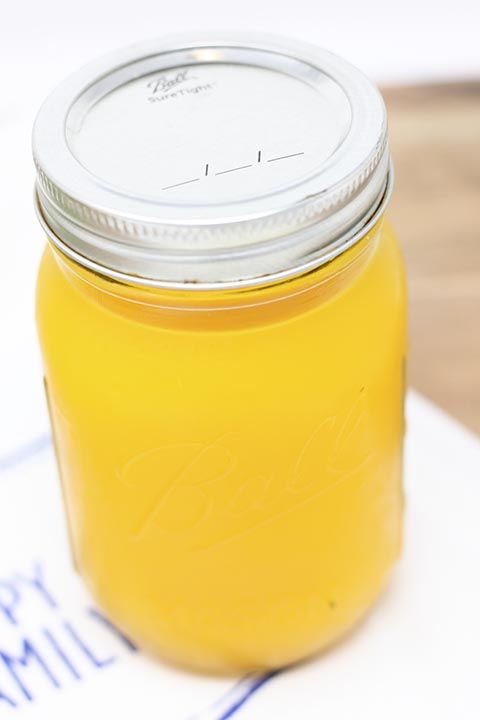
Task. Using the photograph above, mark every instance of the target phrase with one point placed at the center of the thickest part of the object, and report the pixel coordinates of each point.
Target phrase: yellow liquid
(231, 461)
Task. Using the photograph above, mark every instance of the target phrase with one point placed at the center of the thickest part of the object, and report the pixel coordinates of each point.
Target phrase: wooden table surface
(435, 141)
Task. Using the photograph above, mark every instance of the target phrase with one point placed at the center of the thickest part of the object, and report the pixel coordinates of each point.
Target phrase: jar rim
(307, 265)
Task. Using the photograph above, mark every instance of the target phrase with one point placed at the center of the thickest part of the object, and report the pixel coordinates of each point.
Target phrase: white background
(43, 40)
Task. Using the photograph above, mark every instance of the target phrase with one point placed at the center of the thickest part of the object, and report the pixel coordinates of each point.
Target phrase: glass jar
(221, 311)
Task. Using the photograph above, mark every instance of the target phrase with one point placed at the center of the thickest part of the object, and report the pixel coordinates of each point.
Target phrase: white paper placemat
(416, 656)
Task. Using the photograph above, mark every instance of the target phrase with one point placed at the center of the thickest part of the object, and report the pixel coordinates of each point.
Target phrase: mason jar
(221, 313)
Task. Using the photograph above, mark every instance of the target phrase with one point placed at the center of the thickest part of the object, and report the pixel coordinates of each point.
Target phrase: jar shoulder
(74, 306)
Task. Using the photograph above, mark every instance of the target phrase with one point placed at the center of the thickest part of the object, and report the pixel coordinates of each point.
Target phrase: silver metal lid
(207, 161)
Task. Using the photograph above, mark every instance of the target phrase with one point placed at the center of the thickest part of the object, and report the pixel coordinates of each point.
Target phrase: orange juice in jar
(221, 311)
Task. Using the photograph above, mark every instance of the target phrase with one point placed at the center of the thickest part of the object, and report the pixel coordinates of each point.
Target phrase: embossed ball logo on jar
(204, 493)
